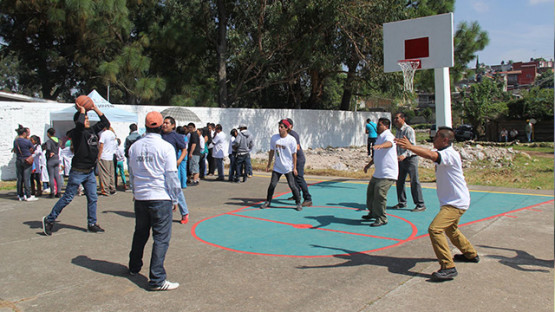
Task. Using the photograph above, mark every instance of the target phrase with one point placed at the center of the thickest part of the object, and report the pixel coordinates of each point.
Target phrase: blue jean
(240, 166)
(182, 204)
(220, 167)
(23, 172)
(88, 180)
(232, 169)
(202, 166)
(248, 165)
(301, 183)
(121, 171)
(155, 214)
(182, 171)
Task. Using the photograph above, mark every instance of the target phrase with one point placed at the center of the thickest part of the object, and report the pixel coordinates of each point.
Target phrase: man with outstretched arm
(385, 175)
(454, 200)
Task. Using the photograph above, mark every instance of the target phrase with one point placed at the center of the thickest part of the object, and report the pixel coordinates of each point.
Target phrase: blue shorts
(194, 164)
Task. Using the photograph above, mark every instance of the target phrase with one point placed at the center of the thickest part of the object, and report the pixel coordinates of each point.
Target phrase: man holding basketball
(85, 145)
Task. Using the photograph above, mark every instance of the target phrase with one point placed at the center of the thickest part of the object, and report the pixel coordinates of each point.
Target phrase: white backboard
(429, 39)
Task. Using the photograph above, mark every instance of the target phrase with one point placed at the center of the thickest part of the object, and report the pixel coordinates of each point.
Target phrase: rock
(339, 166)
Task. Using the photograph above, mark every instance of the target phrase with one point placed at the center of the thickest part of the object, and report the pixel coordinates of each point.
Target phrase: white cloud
(482, 7)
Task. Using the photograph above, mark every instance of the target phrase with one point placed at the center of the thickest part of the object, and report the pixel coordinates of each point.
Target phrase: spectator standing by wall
(220, 147)
(106, 167)
(53, 163)
(372, 132)
(129, 140)
(23, 148)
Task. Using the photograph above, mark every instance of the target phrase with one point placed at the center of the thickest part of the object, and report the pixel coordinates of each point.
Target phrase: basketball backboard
(429, 39)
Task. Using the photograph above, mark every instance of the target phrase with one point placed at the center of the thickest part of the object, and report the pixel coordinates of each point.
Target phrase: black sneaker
(299, 207)
(462, 258)
(95, 228)
(47, 226)
(418, 209)
(368, 217)
(291, 198)
(398, 206)
(378, 223)
(444, 274)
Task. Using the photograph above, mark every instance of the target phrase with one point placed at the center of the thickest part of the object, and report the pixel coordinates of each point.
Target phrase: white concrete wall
(317, 128)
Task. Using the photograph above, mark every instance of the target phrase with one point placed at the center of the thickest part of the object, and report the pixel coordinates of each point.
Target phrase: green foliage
(535, 103)
(482, 102)
(274, 54)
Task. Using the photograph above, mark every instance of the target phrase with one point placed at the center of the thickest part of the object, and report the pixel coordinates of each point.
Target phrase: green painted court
(333, 226)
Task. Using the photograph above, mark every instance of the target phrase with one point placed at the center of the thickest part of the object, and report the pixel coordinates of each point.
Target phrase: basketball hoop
(409, 67)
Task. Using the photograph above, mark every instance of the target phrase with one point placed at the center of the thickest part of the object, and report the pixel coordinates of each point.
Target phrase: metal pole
(443, 97)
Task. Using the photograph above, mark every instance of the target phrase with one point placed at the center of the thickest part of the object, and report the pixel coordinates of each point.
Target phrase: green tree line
(310, 54)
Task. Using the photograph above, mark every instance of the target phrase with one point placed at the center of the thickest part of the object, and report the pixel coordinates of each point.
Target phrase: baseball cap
(290, 121)
(285, 122)
(154, 120)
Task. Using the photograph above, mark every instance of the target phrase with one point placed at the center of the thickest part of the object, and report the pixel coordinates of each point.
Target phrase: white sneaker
(32, 198)
(166, 285)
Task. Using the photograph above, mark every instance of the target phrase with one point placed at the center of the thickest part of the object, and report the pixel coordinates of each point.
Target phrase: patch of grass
(535, 173)
(7, 185)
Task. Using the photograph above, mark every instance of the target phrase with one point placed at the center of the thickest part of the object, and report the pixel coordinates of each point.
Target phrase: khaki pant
(447, 221)
(376, 197)
(106, 176)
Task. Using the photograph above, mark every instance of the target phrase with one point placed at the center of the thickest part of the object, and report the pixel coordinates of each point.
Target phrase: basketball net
(409, 68)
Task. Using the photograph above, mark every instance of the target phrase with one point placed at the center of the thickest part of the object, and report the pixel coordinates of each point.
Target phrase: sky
(518, 29)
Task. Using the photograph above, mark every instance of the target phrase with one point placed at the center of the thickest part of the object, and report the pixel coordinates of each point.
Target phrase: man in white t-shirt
(284, 147)
(106, 169)
(385, 174)
(156, 188)
(454, 199)
(220, 149)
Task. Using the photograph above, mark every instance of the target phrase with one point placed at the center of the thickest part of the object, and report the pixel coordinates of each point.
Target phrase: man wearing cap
(284, 147)
(301, 160)
(156, 189)
(85, 146)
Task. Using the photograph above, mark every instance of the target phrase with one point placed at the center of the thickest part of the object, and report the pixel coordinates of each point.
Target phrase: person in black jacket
(85, 148)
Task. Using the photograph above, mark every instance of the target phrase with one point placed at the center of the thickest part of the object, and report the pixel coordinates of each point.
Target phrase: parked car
(433, 130)
(464, 133)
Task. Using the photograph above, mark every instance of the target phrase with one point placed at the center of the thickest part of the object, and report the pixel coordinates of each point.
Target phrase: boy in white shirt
(454, 199)
(284, 147)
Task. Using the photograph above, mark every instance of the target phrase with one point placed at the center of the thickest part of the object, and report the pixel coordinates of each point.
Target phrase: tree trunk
(222, 51)
(348, 87)
(316, 91)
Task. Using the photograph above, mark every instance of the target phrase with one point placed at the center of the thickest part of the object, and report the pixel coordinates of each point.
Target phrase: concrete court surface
(78, 271)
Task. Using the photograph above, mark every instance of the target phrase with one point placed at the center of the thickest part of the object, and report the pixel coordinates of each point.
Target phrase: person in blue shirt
(176, 140)
(372, 131)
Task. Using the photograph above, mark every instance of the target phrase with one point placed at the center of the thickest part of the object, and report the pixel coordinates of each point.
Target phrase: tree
(482, 102)
(535, 103)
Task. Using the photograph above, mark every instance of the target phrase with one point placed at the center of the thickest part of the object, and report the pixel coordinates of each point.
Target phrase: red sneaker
(184, 219)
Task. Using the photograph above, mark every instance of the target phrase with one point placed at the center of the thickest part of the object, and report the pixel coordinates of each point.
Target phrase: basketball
(85, 102)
